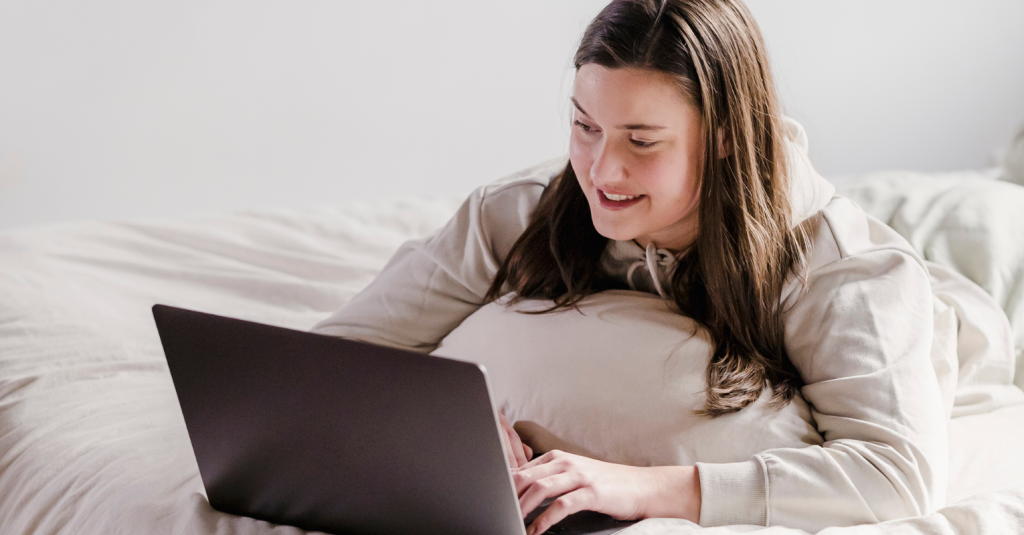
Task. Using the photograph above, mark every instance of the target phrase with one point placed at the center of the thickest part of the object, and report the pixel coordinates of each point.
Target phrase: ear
(724, 144)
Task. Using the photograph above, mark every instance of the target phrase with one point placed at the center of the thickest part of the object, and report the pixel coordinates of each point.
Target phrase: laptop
(341, 436)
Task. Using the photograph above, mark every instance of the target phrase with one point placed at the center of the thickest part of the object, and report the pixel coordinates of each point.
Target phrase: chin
(614, 233)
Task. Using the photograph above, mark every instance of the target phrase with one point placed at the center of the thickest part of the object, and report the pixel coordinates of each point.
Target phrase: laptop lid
(336, 435)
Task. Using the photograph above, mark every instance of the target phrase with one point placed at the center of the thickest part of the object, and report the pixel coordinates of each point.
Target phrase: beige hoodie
(860, 334)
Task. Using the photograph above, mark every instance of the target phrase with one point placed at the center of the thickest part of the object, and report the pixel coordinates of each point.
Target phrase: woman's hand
(624, 492)
(518, 453)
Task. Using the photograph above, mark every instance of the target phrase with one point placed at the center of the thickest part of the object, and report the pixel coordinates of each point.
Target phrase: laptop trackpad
(581, 523)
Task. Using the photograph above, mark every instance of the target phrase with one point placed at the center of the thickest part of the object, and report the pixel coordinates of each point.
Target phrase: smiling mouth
(614, 197)
(619, 198)
(611, 201)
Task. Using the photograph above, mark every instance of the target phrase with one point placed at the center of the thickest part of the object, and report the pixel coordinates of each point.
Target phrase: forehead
(631, 95)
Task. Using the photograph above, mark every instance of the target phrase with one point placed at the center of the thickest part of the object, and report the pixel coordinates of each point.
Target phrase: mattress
(91, 436)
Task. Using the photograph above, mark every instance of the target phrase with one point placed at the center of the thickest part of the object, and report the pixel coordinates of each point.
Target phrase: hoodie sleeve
(431, 284)
(860, 334)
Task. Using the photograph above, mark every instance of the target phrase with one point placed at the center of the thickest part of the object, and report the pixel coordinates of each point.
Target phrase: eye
(643, 144)
(582, 126)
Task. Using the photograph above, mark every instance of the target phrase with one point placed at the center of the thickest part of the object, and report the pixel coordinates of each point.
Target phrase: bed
(91, 436)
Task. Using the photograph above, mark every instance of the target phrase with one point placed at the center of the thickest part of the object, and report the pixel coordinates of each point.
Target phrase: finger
(545, 458)
(518, 448)
(514, 443)
(529, 452)
(512, 463)
(516, 457)
(524, 477)
(548, 487)
(564, 506)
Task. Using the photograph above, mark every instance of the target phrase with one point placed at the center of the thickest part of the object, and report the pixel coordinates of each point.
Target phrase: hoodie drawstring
(653, 258)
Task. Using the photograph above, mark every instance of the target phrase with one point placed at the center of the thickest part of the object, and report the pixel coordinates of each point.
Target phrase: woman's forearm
(677, 495)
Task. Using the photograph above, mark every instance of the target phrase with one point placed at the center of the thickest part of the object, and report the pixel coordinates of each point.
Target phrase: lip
(616, 205)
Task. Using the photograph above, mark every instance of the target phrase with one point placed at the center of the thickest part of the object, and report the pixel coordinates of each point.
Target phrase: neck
(674, 246)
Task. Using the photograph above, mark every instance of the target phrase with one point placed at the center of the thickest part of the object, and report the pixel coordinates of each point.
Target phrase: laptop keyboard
(556, 529)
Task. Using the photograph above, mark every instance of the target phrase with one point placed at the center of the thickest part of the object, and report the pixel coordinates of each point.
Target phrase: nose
(609, 166)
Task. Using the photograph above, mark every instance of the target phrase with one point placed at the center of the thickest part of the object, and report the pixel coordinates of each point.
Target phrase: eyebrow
(621, 126)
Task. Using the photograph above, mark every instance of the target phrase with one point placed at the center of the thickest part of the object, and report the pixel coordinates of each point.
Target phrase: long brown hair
(730, 279)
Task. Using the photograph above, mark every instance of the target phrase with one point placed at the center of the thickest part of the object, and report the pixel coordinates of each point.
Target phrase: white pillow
(620, 380)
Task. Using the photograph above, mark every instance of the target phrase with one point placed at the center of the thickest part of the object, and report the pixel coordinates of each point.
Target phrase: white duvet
(91, 436)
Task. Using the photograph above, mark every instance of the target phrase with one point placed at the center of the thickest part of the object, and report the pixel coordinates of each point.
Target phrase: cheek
(658, 177)
(672, 181)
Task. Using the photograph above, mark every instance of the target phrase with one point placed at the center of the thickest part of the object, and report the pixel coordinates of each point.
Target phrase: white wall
(116, 108)
(927, 85)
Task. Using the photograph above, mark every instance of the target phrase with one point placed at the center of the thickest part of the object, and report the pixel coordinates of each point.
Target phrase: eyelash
(584, 127)
(636, 142)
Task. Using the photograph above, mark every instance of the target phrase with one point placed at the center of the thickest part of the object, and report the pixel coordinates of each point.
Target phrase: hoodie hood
(650, 269)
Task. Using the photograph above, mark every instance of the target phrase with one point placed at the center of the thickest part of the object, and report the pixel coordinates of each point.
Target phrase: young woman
(685, 181)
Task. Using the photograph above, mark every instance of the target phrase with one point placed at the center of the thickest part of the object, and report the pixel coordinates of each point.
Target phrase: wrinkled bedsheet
(965, 220)
(91, 437)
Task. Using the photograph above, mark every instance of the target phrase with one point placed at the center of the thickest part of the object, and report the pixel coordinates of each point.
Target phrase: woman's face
(635, 135)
